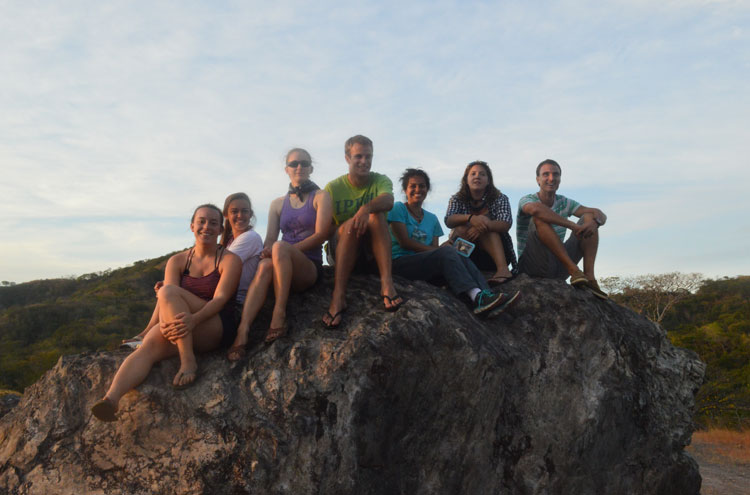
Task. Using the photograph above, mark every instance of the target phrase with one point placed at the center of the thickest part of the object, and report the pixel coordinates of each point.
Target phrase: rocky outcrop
(565, 394)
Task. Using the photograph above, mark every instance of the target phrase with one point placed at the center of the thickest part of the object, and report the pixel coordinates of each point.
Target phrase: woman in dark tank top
(303, 216)
(188, 316)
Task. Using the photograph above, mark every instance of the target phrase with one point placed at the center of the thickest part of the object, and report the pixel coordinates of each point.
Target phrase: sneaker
(593, 286)
(579, 279)
(486, 301)
(505, 304)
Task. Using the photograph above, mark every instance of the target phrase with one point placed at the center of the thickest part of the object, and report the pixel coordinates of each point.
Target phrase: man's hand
(360, 221)
(586, 230)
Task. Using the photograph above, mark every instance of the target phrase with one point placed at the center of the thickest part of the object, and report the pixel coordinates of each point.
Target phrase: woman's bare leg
(492, 244)
(174, 300)
(256, 296)
(291, 269)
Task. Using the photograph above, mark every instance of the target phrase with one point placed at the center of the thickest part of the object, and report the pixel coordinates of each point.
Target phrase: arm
(323, 221)
(380, 204)
(544, 213)
(230, 268)
(402, 236)
(597, 219)
(272, 229)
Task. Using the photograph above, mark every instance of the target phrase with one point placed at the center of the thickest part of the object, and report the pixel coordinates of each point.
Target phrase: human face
(548, 178)
(360, 161)
(299, 174)
(416, 190)
(477, 178)
(238, 214)
(206, 225)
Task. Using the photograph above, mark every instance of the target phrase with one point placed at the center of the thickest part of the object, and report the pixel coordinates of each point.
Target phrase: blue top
(422, 231)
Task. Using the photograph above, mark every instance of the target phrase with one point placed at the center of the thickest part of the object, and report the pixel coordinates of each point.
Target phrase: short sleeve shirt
(422, 232)
(347, 199)
(563, 206)
(247, 246)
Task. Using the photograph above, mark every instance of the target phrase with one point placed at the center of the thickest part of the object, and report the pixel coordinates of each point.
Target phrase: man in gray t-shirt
(540, 232)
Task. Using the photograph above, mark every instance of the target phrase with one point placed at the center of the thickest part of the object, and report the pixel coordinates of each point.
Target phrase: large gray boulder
(564, 394)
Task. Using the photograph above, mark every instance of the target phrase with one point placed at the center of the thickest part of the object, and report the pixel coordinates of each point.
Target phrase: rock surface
(565, 394)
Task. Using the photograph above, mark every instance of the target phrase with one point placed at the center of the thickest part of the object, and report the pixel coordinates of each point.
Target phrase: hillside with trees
(44, 319)
(710, 317)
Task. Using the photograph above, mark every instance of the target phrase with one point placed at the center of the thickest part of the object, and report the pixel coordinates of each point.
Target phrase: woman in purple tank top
(197, 284)
(303, 216)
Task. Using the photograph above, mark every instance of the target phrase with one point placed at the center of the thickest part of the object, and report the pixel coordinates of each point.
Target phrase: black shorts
(230, 319)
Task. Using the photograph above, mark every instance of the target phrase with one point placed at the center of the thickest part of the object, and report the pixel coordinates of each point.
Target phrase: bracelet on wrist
(469, 219)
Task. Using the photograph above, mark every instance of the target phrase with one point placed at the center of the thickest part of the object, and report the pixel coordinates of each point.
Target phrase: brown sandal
(275, 333)
(104, 410)
(235, 353)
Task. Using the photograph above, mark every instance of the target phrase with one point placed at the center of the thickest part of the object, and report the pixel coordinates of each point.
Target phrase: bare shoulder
(276, 204)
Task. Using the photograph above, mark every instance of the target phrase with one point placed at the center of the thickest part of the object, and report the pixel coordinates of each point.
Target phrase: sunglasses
(299, 163)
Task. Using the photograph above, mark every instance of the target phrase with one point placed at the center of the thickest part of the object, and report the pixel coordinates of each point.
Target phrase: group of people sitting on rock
(212, 293)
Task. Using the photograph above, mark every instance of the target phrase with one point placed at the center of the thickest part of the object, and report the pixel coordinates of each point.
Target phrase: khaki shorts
(538, 261)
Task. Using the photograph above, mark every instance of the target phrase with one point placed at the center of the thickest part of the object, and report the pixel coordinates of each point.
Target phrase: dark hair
(492, 193)
(414, 172)
(228, 235)
(358, 139)
(548, 161)
(297, 150)
(206, 205)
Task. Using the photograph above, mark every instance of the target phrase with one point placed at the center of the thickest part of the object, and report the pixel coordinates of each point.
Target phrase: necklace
(418, 216)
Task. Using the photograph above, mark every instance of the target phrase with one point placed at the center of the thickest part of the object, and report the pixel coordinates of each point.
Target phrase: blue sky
(119, 117)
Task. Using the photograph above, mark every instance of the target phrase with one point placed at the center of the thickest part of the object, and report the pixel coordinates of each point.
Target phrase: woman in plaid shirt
(480, 213)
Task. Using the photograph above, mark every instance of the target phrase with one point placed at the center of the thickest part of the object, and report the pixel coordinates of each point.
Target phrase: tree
(653, 295)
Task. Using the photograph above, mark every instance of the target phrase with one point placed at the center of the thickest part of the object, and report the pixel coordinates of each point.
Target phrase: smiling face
(359, 159)
(548, 178)
(302, 169)
(206, 225)
(416, 190)
(239, 215)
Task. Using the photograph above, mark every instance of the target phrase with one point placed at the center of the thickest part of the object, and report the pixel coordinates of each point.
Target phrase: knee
(539, 223)
(377, 220)
(168, 291)
(265, 269)
(280, 248)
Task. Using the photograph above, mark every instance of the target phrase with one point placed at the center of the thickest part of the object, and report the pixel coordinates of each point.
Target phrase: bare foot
(186, 376)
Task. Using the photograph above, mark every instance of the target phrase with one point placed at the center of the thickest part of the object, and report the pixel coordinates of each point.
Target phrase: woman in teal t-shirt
(417, 256)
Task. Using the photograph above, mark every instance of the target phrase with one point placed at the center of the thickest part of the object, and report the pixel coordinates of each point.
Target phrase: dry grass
(730, 444)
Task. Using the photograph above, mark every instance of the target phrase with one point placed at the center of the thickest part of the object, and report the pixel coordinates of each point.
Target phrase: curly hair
(491, 192)
(414, 172)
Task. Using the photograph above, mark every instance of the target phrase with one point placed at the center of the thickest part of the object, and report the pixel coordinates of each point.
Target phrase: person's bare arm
(273, 226)
(380, 204)
(402, 236)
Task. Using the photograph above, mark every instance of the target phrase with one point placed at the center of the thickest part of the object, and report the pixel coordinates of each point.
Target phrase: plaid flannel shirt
(498, 210)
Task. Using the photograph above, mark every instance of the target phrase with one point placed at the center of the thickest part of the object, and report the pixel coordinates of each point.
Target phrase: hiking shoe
(486, 301)
(579, 279)
(593, 286)
(507, 301)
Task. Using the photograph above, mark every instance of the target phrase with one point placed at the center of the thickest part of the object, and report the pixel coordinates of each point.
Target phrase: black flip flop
(333, 318)
(394, 306)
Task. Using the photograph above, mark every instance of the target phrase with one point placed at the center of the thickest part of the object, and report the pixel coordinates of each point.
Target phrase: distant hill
(715, 323)
(44, 319)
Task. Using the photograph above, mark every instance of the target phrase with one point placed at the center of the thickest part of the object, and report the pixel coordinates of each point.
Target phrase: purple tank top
(299, 223)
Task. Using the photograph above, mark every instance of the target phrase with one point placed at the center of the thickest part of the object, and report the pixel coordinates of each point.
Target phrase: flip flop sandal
(338, 315)
(394, 306)
(275, 333)
(104, 410)
(235, 353)
(186, 385)
(495, 281)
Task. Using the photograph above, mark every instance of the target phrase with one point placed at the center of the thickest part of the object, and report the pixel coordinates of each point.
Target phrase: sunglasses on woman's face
(299, 163)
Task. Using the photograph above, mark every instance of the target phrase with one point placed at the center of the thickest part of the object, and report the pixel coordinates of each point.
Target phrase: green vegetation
(44, 319)
(713, 321)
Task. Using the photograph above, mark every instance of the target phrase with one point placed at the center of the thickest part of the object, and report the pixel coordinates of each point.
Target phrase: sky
(118, 118)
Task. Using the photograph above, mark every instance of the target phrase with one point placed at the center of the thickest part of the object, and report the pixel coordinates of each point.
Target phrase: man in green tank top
(361, 202)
